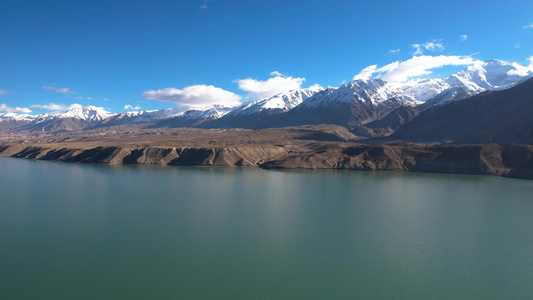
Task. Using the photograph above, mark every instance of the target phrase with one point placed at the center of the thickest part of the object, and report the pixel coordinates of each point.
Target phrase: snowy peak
(373, 91)
(89, 113)
(421, 90)
(209, 112)
(14, 117)
(145, 116)
(491, 75)
(282, 102)
(362, 100)
(366, 100)
(474, 79)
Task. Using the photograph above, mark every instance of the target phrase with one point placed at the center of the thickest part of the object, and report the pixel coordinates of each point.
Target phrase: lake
(73, 231)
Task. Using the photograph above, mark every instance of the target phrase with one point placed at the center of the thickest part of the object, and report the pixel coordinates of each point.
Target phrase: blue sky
(195, 52)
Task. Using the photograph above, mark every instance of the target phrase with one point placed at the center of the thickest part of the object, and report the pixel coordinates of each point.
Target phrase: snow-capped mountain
(282, 102)
(352, 105)
(475, 79)
(75, 118)
(502, 116)
(362, 101)
(13, 120)
(372, 91)
(257, 114)
(139, 117)
(89, 113)
(194, 117)
(14, 117)
(492, 75)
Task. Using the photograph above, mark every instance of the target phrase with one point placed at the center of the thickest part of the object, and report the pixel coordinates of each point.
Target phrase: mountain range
(468, 106)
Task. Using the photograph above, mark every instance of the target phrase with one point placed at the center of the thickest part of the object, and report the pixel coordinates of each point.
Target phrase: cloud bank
(433, 46)
(258, 89)
(401, 71)
(58, 90)
(195, 96)
(129, 107)
(6, 108)
(52, 106)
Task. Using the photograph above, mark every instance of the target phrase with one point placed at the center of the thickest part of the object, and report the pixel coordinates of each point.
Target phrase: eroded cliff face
(509, 160)
(490, 159)
(223, 156)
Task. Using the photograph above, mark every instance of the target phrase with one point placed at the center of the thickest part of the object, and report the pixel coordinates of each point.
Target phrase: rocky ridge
(491, 159)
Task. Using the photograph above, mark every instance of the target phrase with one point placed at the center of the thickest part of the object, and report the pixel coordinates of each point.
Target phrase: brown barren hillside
(305, 147)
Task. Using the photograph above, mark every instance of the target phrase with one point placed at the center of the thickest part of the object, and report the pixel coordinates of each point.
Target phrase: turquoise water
(72, 231)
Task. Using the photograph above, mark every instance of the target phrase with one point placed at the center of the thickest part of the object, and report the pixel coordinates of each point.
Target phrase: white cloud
(416, 66)
(418, 49)
(84, 98)
(530, 66)
(204, 4)
(127, 106)
(366, 73)
(258, 89)
(433, 46)
(61, 107)
(2, 92)
(316, 86)
(6, 108)
(518, 46)
(58, 90)
(275, 73)
(51, 106)
(528, 26)
(195, 96)
(463, 37)
(394, 51)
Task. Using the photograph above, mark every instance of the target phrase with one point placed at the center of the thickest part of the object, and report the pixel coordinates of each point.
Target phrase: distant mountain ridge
(261, 113)
(369, 107)
(504, 116)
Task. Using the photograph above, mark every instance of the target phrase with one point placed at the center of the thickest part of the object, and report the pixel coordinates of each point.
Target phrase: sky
(126, 55)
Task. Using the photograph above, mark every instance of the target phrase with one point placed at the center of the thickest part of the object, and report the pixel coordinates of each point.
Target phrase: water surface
(72, 231)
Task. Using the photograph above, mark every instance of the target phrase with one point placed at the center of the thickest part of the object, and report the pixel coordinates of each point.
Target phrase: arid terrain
(305, 147)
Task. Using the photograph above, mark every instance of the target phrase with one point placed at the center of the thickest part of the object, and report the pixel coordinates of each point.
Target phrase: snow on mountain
(194, 117)
(482, 76)
(89, 113)
(475, 79)
(282, 102)
(371, 91)
(420, 90)
(137, 117)
(363, 101)
(14, 117)
(209, 112)
(492, 75)
(14, 120)
(357, 102)
(262, 113)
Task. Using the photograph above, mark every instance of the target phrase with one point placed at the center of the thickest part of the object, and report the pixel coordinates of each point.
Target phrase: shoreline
(508, 160)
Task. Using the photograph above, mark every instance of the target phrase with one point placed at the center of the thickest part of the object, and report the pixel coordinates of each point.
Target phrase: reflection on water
(138, 232)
